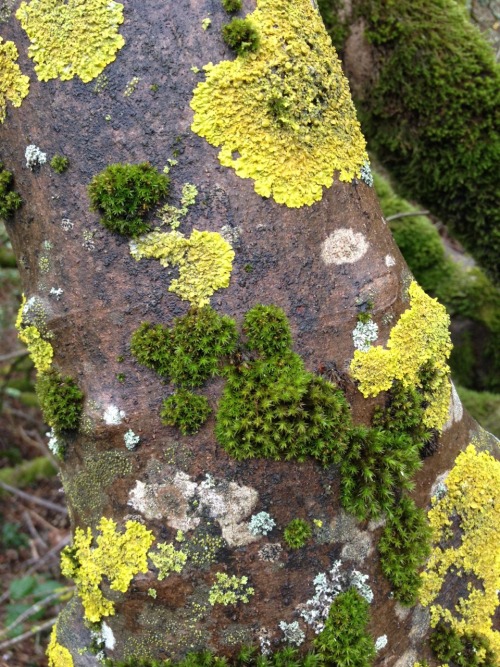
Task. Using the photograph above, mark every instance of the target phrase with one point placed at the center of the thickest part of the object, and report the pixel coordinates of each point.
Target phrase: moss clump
(297, 533)
(232, 6)
(432, 115)
(124, 193)
(345, 642)
(377, 465)
(190, 351)
(404, 547)
(59, 163)
(185, 410)
(241, 35)
(61, 401)
(468, 650)
(272, 407)
(10, 201)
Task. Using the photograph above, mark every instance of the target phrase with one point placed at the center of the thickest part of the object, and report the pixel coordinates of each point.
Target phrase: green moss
(185, 410)
(124, 193)
(431, 115)
(404, 546)
(272, 407)
(345, 642)
(61, 401)
(232, 6)
(59, 163)
(241, 35)
(297, 533)
(190, 351)
(10, 201)
(468, 650)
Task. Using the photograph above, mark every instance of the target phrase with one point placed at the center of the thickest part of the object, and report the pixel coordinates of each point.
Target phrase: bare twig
(13, 355)
(46, 557)
(28, 634)
(408, 214)
(34, 534)
(33, 499)
(38, 606)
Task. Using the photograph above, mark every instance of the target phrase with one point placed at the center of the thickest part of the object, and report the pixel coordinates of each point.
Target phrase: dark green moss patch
(124, 193)
(297, 533)
(59, 163)
(468, 650)
(10, 201)
(185, 410)
(232, 6)
(241, 36)
(61, 401)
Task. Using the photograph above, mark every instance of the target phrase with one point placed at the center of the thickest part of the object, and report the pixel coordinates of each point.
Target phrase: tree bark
(60, 244)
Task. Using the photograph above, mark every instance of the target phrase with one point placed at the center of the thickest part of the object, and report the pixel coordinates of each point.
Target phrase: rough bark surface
(107, 294)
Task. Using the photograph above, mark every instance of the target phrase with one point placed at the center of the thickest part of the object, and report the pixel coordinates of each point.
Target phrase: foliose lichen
(172, 215)
(14, 86)
(261, 523)
(40, 350)
(117, 556)
(167, 559)
(419, 340)
(131, 440)
(58, 655)
(34, 156)
(292, 633)
(71, 38)
(283, 115)
(230, 589)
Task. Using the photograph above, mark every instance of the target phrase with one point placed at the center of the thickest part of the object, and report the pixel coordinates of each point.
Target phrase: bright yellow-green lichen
(229, 590)
(14, 86)
(205, 261)
(58, 655)
(167, 560)
(419, 342)
(117, 556)
(286, 110)
(472, 496)
(41, 352)
(72, 38)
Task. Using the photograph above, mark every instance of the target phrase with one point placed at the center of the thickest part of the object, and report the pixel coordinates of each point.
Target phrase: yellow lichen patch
(58, 655)
(14, 86)
(283, 115)
(117, 556)
(72, 38)
(41, 351)
(472, 497)
(419, 342)
(205, 261)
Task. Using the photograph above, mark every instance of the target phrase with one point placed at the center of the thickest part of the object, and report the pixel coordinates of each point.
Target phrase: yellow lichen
(205, 261)
(58, 655)
(420, 341)
(72, 38)
(41, 351)
(117, 556)
(283, 115)
(14, 86)
(472, 497)
(167, 560)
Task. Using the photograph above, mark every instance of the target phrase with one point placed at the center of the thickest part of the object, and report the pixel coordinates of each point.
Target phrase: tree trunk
(323, 264)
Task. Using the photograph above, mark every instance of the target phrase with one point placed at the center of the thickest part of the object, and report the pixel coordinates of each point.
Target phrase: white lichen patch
(364, 334)
(66, 224)
(181, 502)
(389, 261)
(292, 633)
(261, 523)
(366, 174)
(113, 416)
(55, 445)
(344, 246)
(131, 439)
(456, 410)
(56, 292)
(108, 636)
(34, 157)
(381, 643)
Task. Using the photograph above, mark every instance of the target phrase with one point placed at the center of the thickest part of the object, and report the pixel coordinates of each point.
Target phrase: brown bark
(107, 294)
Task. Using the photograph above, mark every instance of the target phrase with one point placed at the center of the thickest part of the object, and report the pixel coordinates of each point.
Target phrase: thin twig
(28, 634)
(13, 355)
(408, 214)
(23, 415)
(46, 557)
(34, 499)
(34, 534)
(38, 606)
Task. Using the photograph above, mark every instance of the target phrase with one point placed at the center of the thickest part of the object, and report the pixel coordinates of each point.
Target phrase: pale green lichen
(40, 350)
(171, 215)
(72, 38)
(117, 556)
(472, 497)
(58, 656)
(419, 342)
(14, 85)
(283, 115)
(205, 261)
(229, 590)
(167, 560)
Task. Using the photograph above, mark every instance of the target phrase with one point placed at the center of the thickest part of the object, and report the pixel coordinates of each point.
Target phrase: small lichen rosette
(73, 38)
(283, 115)
(419, 344)
(473, 501)
(14, 86)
